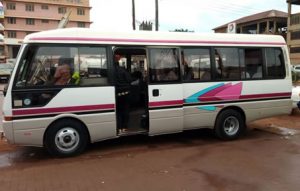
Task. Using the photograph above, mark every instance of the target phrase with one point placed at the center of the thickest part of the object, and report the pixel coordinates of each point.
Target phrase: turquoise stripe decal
(194, 98)
(207, 108)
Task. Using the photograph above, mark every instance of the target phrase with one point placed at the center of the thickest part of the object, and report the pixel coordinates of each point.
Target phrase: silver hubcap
(67, 139)
(231, 125)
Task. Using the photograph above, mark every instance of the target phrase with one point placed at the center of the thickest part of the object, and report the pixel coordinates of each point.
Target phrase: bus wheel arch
(230, 123)
(66, 137)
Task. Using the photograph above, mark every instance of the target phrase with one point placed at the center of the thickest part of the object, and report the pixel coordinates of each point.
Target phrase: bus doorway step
(130, 132)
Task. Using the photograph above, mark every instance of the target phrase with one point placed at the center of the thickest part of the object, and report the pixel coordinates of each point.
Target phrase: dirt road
(193, 160)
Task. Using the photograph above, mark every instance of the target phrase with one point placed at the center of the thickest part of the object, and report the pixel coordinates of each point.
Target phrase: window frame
(265, 66)
(30, 21)
(51, 87)
(9, 34)
(148, 54)
(214, 63)
(81, 24)
(263, 63)
(11, 6)
(209, 48)
(44, 7)
(62, 10)
(11, 20)
(29, 7)
(81, 11)
(44, 21)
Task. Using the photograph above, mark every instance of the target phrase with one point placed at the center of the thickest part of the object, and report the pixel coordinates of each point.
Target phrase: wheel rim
(231, 125)
(67, 139)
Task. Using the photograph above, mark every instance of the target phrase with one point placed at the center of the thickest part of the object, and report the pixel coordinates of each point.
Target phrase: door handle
(155, 93)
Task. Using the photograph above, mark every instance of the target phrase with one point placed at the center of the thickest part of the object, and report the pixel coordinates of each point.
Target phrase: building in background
(268, 22)
(293, 35)
(22, 17)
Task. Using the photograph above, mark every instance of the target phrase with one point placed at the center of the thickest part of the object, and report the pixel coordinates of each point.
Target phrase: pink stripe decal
(210, 96)
(151, 41)
(166, 103)
(63, 109)
(231, 93)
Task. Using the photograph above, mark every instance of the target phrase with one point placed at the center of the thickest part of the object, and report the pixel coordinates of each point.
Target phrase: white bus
(185, 81)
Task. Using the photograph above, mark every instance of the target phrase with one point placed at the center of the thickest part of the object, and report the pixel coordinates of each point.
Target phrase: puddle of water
(279, 130)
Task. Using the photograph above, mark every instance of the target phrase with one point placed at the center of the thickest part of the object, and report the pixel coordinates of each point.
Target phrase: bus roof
(91, 36)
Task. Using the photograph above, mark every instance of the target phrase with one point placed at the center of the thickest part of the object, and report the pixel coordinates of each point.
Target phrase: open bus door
(131, 94)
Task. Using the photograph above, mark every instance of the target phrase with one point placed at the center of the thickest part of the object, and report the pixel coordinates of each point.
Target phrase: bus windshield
(56, 65)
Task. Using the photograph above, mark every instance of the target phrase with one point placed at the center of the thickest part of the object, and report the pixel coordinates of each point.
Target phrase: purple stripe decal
(246, 97)
(18, 112)
(151, 41)
(252, 96)
(166, 103)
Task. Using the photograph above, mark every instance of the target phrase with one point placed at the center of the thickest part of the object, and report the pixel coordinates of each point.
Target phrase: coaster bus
(184, 81)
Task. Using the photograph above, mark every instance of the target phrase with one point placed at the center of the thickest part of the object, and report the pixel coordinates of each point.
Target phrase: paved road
(194, 160)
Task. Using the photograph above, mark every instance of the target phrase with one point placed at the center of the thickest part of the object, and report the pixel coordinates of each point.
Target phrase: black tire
(66, 138)
(229, 125)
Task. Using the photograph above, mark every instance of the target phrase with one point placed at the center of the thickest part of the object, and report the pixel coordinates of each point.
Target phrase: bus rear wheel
(66, 138)
(229, 125)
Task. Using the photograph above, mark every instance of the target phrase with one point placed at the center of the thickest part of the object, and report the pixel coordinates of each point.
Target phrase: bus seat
(258, 73)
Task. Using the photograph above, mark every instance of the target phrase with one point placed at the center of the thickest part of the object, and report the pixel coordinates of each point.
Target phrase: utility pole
(156, 15)
(64, 20)
(133, 15)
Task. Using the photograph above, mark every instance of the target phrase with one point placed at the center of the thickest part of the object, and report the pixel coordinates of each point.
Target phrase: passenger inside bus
(170, 74)
(62, 75)
(123, 80)
(131, 108)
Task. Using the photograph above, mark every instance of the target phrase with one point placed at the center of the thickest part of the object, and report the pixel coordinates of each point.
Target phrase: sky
(194, 15)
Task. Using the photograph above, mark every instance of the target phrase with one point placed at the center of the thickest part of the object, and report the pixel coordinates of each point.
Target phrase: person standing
(123, 80)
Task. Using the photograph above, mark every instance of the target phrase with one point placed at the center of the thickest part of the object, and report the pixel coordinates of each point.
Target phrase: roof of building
(263, 15)
(296, 2)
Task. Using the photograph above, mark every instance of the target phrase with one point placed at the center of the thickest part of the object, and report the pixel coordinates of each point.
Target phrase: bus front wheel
(66, 138)
(229, 125)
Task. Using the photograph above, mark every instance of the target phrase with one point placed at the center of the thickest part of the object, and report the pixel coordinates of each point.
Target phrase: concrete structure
(293, 35)
(23, 17)
(268, 22)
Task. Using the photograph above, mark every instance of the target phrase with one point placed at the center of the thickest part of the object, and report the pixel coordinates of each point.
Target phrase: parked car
(5, 71)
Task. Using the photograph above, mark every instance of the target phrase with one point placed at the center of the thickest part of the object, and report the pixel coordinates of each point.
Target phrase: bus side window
(92, 65)
(274, 63)
(227, 64)
(253, 62)
(164, 65)
(195, 64)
